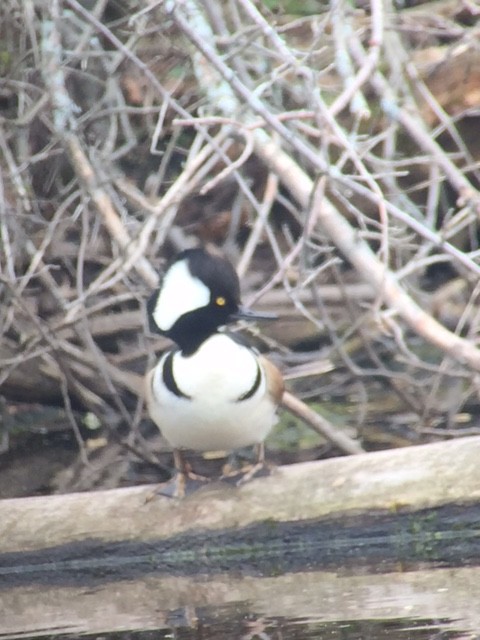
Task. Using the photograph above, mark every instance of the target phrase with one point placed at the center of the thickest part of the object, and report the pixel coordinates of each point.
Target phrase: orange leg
(256, 470)
(184, 481)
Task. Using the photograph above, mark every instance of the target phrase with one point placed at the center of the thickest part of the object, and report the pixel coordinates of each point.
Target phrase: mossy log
(411, 478)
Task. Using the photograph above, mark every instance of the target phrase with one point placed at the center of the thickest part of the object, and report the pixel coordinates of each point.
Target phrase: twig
(319, 424)
(233, 166)
(344, 64)
(384, 281)
(64, 122)
(416, 129)
(271, 190)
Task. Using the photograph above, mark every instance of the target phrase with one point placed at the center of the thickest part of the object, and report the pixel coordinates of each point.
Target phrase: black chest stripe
(168, 378)
(253, 389)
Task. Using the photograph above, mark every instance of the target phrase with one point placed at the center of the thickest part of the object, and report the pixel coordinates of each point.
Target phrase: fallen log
(413, 478)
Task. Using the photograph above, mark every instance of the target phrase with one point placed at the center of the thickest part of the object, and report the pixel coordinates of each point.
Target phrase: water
(421, 602)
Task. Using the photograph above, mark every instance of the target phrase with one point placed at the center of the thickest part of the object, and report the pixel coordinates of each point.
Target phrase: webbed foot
(182, 484)
(179, 486)
(247, 473)
(260, 469)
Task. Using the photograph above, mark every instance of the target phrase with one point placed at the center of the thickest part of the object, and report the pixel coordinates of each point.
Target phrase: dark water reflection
(233, 623)
(230, 622)
(423, 603)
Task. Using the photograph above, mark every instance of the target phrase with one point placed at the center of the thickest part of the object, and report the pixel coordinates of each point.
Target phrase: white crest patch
(180, 293)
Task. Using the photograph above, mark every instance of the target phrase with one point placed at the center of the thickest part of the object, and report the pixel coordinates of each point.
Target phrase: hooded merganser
(211, 392)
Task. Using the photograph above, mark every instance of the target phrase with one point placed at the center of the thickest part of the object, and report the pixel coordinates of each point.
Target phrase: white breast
(213, 417)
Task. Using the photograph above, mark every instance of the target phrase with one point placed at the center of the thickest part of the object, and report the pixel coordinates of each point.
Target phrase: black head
(199, 293)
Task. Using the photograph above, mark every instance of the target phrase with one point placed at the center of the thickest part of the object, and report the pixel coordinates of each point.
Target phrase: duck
(210, 391)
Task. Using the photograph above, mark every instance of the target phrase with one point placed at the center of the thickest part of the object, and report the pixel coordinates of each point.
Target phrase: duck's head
(199, 293)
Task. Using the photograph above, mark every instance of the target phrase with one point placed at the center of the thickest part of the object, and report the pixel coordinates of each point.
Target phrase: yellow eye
(220, 301)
